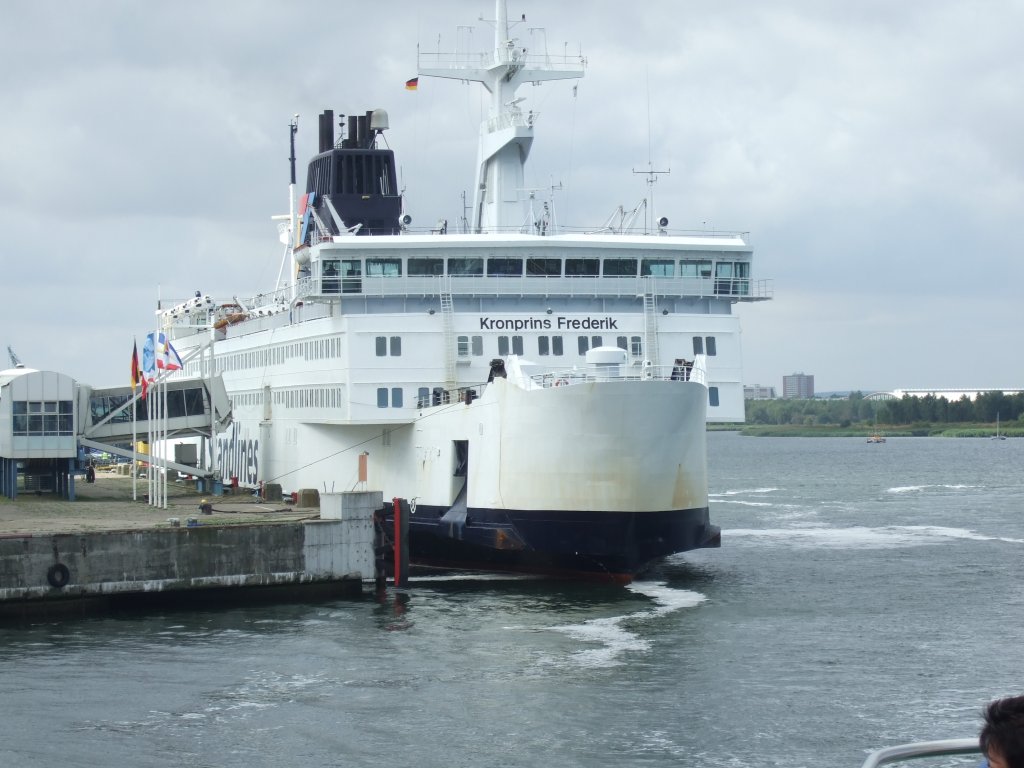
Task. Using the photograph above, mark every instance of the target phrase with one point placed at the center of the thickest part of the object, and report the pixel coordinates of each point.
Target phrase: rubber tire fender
(58, 575)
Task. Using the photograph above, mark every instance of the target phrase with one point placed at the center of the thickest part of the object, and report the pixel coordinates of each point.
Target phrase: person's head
(1002, 737)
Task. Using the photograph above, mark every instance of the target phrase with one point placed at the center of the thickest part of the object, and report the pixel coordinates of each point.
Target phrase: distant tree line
(909, 409)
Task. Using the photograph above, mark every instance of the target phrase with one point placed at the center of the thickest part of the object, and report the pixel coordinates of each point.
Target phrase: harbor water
(864, 595)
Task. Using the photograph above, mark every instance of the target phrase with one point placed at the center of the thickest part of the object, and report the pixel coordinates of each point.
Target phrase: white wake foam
(887, 537)
(919, 488)
(741, 491)
(613, 638)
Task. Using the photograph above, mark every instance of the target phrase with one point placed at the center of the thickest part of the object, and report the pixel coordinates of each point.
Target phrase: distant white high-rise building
(758, 392)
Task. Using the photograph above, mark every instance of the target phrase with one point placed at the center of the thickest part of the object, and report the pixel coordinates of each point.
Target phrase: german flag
(135, 366)
(410, 85)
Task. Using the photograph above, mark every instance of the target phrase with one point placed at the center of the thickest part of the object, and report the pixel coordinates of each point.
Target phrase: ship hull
(594, 480)
(613, 546)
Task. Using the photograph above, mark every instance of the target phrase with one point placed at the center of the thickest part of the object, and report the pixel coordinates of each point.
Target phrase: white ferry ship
(539, 396)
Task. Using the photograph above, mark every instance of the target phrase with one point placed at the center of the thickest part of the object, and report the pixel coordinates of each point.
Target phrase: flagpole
(166, 447)
(135, 380)
(153, 425)
(149, 447)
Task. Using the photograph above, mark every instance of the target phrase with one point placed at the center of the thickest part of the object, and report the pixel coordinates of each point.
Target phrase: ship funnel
(327, 130)
(350, 142)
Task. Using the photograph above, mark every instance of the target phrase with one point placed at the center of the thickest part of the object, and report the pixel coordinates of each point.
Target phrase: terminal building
(49, 424)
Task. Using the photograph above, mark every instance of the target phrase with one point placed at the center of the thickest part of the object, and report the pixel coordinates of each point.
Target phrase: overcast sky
(874, 149)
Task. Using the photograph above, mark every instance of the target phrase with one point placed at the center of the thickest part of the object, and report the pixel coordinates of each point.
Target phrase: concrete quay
(105, 550)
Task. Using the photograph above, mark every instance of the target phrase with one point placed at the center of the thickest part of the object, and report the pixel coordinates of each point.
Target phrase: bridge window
(543, 267)
(396, 346)
(422, 397)
(330, 270)
(383, 267)
(692, 268)
(466, 267)
(622, 342)
(709, 345)
(713, 397)
(698, 345)
(428, 267)
(584, 344)
(382, 346)
(498, 267)
(382, 397)
(351, 276)
(396, 397)
(620, 267)
(581, 267)
(636, 347)
(658, 267)
(556, 345)
(543, 345)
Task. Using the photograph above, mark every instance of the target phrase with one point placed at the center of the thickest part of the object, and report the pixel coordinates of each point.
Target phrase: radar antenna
(15, 360)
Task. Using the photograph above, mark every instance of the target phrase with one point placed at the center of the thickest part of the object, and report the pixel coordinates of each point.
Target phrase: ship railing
(570, 377)
(922, 749)
(520, 286)
(459, 60)
(315, 289)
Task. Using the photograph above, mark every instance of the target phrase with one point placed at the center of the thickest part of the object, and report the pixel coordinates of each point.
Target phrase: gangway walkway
(194, 408)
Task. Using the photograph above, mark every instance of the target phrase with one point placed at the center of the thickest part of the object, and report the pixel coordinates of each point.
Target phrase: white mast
(507, 133)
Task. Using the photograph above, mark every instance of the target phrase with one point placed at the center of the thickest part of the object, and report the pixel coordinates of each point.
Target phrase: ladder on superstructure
(651, 355)
(448, 320)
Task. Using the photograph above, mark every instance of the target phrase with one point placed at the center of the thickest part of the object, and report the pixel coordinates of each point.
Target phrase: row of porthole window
(474, 345)
(392, 397)
(317, 349)
(387, 397)
(467, 346)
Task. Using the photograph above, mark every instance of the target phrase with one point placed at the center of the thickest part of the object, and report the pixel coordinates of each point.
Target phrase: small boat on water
(876, 438)
(997, 436)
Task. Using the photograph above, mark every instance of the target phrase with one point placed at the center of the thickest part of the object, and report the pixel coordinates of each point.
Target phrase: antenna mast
(652, 176)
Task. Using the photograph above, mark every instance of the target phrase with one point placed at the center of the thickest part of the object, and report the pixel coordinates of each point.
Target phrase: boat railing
(922, 749)
(571, 377)
(380, 286)
(316, 289)
(483, 60)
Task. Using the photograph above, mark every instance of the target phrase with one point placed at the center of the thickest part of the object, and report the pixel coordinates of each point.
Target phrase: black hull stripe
(614, 545)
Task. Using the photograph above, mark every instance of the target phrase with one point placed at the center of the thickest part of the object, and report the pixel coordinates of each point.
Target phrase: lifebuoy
(561, 382)
(58, 575)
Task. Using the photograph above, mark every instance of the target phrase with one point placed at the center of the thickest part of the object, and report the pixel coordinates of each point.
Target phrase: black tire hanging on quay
(58, 575)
